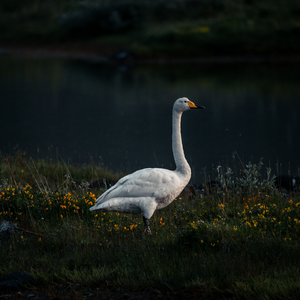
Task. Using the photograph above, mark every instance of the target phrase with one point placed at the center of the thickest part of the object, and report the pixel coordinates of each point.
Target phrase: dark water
(121, 118)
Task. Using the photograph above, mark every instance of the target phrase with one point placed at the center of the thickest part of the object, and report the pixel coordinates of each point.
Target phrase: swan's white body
(150, 189)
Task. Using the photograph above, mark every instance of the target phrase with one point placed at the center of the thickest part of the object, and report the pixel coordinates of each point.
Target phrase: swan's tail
(147, 205)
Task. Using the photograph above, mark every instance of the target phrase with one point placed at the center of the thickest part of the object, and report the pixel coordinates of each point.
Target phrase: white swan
(150, 189)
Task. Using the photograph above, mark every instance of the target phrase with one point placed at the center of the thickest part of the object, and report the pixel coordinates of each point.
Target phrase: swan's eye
(185, 101)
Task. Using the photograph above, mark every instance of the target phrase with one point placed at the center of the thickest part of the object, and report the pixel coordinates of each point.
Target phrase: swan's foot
(146, 226)
(148, 230)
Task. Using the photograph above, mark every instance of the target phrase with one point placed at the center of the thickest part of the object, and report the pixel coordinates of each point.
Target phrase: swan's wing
(142, 183)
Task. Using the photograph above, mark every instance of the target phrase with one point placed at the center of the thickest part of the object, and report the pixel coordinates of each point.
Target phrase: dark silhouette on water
(290, 183)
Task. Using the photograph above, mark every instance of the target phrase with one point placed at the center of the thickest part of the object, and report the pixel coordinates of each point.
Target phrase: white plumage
(147, 190)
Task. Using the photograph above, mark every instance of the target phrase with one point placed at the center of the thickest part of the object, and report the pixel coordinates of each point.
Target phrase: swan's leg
(146, 226)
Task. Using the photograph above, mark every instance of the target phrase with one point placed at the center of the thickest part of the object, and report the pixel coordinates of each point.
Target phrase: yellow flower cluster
(15, 200)
(254, 216)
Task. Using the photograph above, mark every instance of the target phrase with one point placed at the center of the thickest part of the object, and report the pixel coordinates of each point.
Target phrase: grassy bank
(239, 241)
(155, 28)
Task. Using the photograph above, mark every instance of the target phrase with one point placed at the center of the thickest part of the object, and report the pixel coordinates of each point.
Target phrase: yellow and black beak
(194, 106)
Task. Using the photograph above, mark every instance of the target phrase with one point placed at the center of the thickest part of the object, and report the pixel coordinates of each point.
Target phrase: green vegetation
(156, 28)
(241, 240)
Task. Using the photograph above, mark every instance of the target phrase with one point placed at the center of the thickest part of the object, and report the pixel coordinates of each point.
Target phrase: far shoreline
(105, 56)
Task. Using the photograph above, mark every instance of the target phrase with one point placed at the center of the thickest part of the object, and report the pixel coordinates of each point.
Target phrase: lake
(120, 117)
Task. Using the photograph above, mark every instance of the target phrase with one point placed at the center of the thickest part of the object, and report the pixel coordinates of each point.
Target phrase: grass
(232, 243)
(156, 28)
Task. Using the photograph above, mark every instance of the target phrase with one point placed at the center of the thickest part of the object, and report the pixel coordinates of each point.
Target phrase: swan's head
(183, 104)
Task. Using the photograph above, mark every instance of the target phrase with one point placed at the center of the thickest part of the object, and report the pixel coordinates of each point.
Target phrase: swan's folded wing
(142, 183)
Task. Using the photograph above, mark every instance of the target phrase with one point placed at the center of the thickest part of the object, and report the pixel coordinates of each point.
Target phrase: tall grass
(231, 242)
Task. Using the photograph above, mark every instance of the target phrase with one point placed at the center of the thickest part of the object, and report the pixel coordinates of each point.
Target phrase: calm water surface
(121, 118)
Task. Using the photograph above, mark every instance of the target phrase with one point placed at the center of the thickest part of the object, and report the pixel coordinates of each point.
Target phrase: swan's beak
(194, 106)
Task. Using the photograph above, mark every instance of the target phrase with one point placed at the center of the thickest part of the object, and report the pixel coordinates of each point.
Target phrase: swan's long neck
(182, 165)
